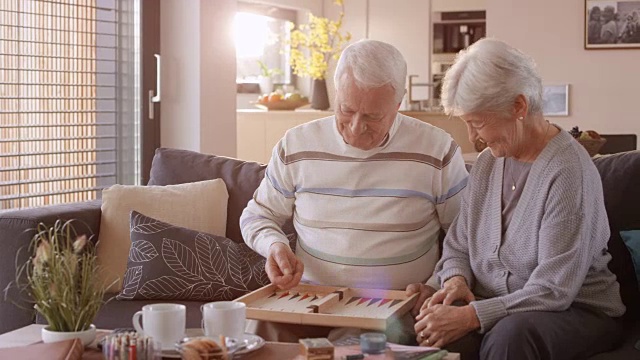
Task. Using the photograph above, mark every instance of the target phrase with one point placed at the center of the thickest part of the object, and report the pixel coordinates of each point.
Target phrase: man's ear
(400, 103)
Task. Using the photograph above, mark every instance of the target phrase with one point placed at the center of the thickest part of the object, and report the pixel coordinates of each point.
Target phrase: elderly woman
(525, 261)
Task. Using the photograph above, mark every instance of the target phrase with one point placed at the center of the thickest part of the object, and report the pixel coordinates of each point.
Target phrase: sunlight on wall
(246, 26)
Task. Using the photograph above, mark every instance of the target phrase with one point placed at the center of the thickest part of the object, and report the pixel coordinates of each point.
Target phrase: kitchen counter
(307, 110)
(258, 130)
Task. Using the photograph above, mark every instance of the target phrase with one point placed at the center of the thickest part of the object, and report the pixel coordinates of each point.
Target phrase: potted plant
(266, 77)
(313, 46)
(61, 279)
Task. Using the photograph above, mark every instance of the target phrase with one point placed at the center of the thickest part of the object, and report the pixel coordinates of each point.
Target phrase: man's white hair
(487, 77)
(373, 64)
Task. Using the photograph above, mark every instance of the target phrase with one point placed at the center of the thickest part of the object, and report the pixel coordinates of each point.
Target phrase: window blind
(58, 100)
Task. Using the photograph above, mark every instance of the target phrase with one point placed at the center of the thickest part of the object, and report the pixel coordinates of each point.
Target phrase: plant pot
(266, 84)
(319, 96)
(87, 336)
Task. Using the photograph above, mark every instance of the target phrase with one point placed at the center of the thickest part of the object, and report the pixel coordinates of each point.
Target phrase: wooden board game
(328, 306)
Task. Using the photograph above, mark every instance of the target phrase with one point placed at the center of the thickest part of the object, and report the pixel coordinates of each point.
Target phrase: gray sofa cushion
(168, 262)
(172, 166)
(620, 174)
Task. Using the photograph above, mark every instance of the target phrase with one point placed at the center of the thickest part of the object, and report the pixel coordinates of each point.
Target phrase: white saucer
(170, 354)
(251, 342)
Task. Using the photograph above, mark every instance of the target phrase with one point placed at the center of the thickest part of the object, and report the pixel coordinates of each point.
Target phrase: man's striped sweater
(364, 218)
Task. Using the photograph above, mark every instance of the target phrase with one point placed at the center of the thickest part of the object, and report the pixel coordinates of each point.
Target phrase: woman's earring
(521, 118)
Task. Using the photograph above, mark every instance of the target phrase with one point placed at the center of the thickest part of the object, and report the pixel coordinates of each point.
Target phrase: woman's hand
(455, 289)
(440, 325)
(425, 292)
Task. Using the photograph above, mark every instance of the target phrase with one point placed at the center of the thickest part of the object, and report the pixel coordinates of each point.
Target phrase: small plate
(249, 343)
(170, 354)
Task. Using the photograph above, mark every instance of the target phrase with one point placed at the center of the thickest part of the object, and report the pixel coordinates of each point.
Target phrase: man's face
(364, 117)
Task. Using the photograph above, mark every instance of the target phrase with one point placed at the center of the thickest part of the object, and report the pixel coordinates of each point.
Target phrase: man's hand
(283, 267)
(425, 292)
(440, 325)
(455, 289)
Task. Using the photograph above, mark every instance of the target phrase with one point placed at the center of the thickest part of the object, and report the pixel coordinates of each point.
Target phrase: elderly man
(368, 189)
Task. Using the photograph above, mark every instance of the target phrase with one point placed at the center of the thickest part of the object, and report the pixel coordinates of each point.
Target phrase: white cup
(224, 318)
(165, 323)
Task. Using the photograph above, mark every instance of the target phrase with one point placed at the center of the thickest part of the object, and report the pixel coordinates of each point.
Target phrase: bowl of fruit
(591, 140)
(278, 101)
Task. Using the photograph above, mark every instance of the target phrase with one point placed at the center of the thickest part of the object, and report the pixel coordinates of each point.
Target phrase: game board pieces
(355, 298)
(288, 301)
(322, 305)
(372, 301)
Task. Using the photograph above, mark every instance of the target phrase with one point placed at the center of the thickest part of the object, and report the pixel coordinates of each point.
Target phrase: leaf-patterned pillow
(168, 262)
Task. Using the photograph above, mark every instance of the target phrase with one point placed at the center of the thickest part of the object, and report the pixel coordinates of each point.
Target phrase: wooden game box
(371, 309)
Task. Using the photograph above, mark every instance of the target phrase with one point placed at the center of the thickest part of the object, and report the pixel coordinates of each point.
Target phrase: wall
(408, 28)
(355, 22)
(198, 76)
(458, 5)
(198, 72)
(604, 84)
(374, 19)
(315, 6)
(180, 102)
(404, 24)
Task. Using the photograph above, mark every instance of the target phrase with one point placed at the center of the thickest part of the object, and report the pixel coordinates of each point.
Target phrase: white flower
(42, 253)
(79, 244)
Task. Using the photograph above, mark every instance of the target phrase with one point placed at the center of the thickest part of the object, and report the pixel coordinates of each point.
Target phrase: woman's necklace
(513, 180)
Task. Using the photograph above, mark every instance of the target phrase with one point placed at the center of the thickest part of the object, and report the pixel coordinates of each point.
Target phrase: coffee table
(270, 351)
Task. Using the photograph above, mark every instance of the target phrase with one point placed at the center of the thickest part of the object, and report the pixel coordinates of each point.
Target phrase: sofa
(619, 172)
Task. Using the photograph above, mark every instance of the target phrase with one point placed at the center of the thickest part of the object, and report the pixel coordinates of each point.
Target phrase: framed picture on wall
(555, 100)
(612, 24)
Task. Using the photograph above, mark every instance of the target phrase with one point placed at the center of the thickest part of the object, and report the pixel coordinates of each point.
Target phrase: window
(67, 100)
(261, 32)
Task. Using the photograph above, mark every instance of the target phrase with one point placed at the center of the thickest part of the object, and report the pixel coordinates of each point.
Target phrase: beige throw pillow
(201, 206)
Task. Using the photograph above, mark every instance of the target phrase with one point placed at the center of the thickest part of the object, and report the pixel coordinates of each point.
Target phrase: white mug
(165, 323)
(224, 318)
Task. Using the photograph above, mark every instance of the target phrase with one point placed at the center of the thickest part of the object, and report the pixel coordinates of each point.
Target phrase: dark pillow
(631, 239)
(172, 166)
(168, 262)
(620, 173)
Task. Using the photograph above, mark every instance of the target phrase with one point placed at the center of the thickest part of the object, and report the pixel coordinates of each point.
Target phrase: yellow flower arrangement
(314, 44)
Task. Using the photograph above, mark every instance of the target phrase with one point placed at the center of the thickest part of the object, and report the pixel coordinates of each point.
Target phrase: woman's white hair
(487, 77)
(373, 64)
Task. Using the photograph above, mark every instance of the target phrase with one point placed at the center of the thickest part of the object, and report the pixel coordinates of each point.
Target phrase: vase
(86, 336)
(266, 84)
(319, 96)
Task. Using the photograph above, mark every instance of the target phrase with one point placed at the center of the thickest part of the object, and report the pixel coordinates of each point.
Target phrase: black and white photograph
(612, 24)
(555, 100)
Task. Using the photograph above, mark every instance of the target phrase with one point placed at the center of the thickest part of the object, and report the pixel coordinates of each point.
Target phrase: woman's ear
(520, 106)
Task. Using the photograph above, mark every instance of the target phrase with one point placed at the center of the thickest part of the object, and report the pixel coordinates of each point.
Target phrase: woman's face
(498, 132)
